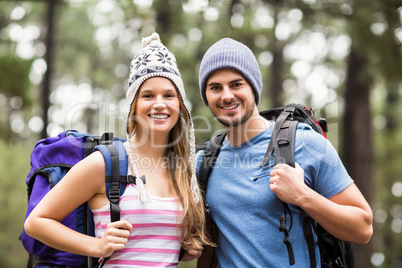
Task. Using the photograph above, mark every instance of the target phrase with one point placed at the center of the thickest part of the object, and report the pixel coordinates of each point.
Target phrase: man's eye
(237, 85)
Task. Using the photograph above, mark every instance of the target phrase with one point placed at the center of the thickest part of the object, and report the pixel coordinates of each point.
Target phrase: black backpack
(333, 252)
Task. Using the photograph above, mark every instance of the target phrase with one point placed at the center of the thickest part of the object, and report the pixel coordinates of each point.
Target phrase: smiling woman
(156, 110)
(160, 215)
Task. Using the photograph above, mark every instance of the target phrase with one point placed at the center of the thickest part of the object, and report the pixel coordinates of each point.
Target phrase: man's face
(230, 97)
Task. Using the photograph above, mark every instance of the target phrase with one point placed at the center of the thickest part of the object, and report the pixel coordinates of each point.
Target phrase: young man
(247, 211)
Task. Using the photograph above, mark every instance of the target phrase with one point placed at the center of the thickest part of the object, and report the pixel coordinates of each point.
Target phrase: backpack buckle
(130, 179)
(114, 195)
(290, 110)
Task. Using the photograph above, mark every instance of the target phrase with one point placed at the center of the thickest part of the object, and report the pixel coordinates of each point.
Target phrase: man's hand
(288, 183)
(191, 254)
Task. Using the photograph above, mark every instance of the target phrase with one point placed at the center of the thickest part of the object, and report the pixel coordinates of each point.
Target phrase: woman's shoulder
(90, 170)
(95, 160)
(92, 163)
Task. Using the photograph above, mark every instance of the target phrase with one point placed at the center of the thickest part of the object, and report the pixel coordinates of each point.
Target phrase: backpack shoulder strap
(282, 139)
(208, 160)
(282, 147)
(116, 178)
(284, 152)
(308, 225)
(212, 149)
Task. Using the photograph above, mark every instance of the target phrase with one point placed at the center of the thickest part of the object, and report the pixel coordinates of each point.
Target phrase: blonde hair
(179, 173)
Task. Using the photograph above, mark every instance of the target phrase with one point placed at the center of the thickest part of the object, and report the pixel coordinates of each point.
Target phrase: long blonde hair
(179, 173)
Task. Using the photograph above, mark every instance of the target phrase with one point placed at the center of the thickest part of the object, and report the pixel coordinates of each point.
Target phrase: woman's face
(157, 107)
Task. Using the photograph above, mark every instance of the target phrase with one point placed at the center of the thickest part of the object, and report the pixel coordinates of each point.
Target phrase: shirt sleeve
(323, 169)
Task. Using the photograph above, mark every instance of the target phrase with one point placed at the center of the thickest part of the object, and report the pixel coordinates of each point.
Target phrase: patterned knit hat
(155, 59)
(231, 54)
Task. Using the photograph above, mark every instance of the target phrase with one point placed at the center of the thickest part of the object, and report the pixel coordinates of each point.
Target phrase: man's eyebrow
(213, 84)
(236, 80)
(231, 82)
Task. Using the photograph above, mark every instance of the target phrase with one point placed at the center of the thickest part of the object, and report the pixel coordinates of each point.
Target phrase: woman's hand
(114, 238)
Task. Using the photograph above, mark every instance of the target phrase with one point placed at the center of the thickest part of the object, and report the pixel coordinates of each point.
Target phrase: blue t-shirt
(247, 212)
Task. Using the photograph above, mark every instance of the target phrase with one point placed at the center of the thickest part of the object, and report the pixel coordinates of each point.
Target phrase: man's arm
(346, 215)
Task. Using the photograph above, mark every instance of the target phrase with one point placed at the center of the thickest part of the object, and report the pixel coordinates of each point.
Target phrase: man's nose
(227, 94)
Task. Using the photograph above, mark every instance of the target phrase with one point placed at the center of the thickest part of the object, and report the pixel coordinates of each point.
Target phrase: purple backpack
(51, 159)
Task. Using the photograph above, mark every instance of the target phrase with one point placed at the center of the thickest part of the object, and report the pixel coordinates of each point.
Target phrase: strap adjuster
(114, 195)
(289, 109)
(282, 142)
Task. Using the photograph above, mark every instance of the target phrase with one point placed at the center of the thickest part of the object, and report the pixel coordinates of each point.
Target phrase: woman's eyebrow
(147, 91)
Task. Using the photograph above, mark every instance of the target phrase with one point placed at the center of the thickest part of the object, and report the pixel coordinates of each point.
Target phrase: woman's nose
(159, 104)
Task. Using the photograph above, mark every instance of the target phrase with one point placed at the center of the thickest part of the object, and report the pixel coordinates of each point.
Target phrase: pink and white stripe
(154, 240)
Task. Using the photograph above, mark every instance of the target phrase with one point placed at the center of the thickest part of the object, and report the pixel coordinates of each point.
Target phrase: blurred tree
(388, 62)
(94, 42)
(14, 90)
(357, 152)
(49, 44)
(366, 60)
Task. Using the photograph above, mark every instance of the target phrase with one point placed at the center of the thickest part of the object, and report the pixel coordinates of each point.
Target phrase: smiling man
(231, 93)
(245, 211)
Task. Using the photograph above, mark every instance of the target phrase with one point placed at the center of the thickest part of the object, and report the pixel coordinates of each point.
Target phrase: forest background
(65, 64)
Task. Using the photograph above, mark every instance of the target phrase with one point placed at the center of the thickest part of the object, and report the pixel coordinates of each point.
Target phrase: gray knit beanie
(231, 54)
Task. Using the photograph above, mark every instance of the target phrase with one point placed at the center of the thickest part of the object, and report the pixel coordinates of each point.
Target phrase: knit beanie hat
(231, 54)
(154, 59)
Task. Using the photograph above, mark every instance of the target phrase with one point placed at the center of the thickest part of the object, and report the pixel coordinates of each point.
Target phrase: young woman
(158, 217)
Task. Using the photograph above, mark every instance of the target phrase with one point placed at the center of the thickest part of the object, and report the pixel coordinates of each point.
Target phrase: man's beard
(234, 123)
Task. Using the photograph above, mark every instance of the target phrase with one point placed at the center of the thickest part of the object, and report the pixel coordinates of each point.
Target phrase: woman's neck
(152, 146)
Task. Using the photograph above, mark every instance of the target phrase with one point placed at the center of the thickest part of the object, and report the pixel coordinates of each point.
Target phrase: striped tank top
(154, 239)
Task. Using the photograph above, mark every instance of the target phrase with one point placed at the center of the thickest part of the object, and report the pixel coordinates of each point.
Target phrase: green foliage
(14, 169)
(92, 43)
(187, 264)
(14, 77)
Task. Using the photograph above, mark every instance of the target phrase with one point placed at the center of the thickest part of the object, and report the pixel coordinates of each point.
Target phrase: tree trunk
(275, 78)
(49, 62)
(357, 151)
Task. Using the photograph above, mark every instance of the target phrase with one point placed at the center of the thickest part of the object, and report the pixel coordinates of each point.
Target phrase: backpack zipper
(260, 176)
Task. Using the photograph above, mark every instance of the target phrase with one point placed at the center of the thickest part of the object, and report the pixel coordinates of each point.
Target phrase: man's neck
(242, 133)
